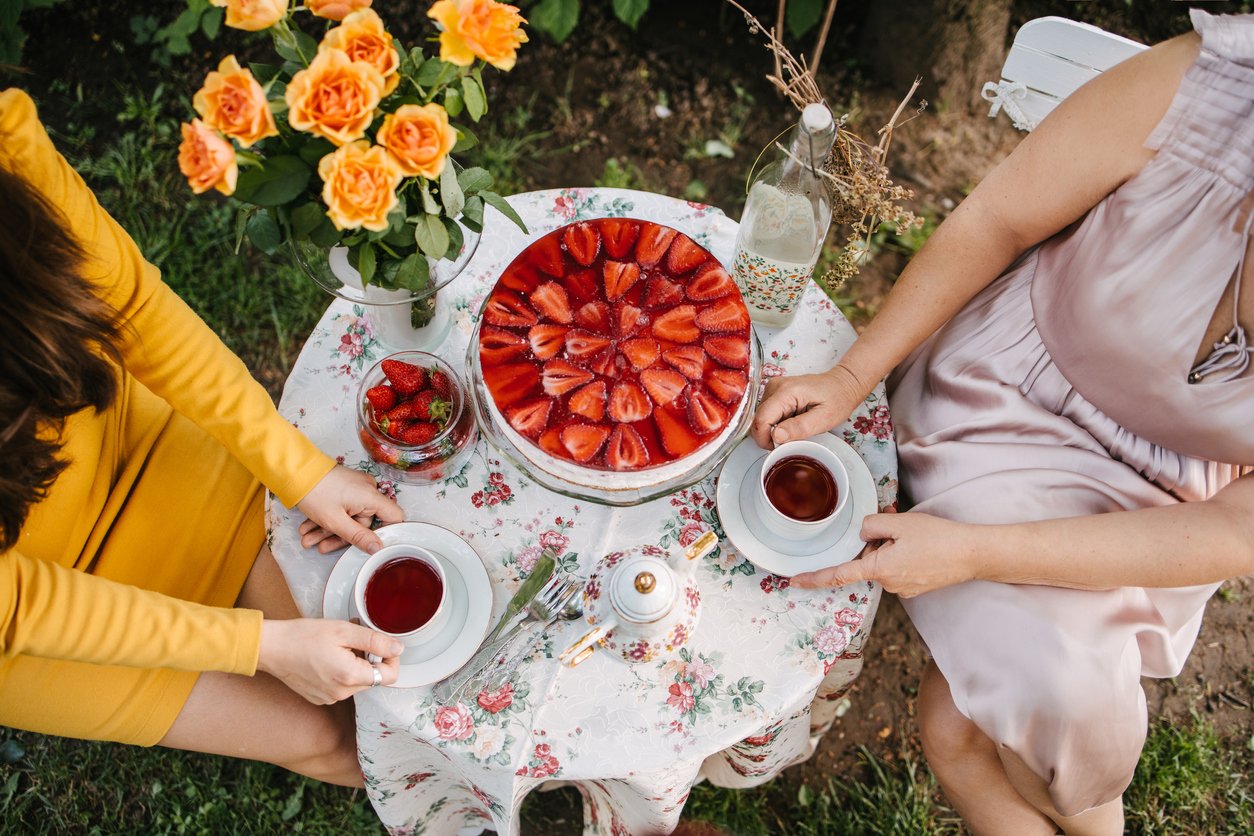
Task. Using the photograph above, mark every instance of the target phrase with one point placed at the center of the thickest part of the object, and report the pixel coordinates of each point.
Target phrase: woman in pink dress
(1075, 416)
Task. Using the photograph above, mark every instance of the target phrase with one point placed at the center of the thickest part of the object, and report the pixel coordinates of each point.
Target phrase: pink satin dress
(1064, 389)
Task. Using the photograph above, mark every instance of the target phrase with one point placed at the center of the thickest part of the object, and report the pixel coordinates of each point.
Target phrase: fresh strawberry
(677, 325)
(589, 401)
(406, 378)
(547, 255)
(583, 343)
(530, 417)
(419, 432)
(705, 413)
(629, 403)
(653, 243)
(732, 351)
(619, 235)
(724, 315)
(547, 340)
(523, 278)
(688, 360)
(684, 255)
(584, 441)
(510, 382)
(641, 353)
(627, 319)
(506, 308)
(660, 293)
(583, 242)
(551, 301)
(595, 316)
(663, 385)
(560, 377)
(381, 398)
(582, 285)
(626, 450)
(427, 405)
(727, 385)
(551, 442)
(441, 384)
(677, 438)
(496, 345)
(619, 277)
(382, 453)
(606, 363)
(710, 282)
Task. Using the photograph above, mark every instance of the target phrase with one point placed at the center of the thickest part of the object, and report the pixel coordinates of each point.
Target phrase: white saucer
(470, 599)
(737, 509)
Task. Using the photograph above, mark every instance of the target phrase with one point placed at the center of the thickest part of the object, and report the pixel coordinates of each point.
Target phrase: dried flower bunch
(349, 139)
(863, 192)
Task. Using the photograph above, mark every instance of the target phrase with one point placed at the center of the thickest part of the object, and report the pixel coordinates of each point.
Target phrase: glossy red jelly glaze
(519, 379)
(802, 488)
(403, 594)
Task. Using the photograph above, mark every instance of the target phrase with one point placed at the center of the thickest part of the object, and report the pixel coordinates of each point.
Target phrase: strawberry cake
(617, 353)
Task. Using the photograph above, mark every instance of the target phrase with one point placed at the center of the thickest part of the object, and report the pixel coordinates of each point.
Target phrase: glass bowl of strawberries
(414, 419)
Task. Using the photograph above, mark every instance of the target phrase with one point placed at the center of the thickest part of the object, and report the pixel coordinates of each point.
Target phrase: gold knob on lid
(645, 582)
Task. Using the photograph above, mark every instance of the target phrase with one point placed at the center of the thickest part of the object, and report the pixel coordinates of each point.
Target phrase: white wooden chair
(1050, 58)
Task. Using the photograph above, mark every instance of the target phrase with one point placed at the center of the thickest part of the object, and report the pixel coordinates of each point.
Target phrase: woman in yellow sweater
(138, 602)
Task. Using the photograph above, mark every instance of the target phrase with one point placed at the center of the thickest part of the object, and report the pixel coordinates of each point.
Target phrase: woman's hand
(341, 508)
(805, 405)
(909, 554)
(319, 659)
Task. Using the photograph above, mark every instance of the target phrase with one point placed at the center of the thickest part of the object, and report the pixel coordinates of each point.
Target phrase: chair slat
(1046, 73)
(1079, 42)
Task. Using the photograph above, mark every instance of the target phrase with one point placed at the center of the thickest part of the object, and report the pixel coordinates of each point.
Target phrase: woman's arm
(1087, 147)
(1185, 544)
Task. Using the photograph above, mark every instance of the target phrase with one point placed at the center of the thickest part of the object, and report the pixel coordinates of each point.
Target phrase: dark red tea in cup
(802, 488)
(403, 594)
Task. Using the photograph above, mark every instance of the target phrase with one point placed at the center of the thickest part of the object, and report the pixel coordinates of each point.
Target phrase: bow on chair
(1006, 95)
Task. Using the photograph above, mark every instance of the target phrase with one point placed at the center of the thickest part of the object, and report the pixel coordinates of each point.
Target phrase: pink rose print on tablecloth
(527, 558)
(681, 696)
(554, 540)
(847, 617)
(542, 764)
(454, 722)
(831, 640)
(689, 534)
(496, 701)
(773, 582)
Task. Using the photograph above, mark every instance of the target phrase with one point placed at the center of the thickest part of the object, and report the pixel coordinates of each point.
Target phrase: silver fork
(547, 602)
(495, 674)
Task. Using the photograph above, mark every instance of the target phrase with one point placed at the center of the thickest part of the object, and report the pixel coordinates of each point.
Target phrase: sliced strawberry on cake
(545, 340)
(507, 309)
(496, 345)
(530, 418)
(705, 413)
(552, 302)
(588, 401)
(711, 281)
(626, 450)
(619, 278)
(584, 343)
(724, 315)
(595, 316)
(629, 403)
(730, 351)
(584, 441)
(678, 325)
(688, 360)
(684, 255)
(560, 377)
(619, 236)
(654, 241)
(583, 242)
(641, 353)
(727, 385)
(663, 385)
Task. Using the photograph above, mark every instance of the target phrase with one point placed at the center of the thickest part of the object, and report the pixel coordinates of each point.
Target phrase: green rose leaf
(476, 100)
(474, 180)
(325, 235)
(555, 18)
(264, 232)
(455, 238)
(497, 202)
(211, 22)
(450, 192)
(803, 15)
(306, 218)
(433, 72)
(414, 274)
(294, 45)
(279, 180)
(365, 263)
(264, 73)
(465, 139)
(428, 202)
(314, 150)
(241, 224)
(431, 236)
(630, 11)
(472, 214)
(453, 102)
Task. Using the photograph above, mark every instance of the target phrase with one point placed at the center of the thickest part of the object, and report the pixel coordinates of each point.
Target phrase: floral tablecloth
(753, 691)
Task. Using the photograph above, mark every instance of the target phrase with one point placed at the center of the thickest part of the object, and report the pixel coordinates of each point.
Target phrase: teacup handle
(584, 647)
(702, 546)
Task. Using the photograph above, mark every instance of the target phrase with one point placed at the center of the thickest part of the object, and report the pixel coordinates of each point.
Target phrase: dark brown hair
(57, 338)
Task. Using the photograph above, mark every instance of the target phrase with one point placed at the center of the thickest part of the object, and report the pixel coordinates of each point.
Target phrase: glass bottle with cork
(785, 222)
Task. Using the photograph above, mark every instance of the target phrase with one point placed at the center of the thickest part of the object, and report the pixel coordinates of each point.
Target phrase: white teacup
(432, 626)
(781, 524)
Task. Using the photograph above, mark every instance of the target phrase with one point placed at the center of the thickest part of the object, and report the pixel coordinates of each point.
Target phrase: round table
(751, 693)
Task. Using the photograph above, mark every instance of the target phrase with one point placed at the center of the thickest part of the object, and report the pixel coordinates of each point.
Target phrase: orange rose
(233, 102)
(478, 29)
(206, 159)
(252, 15)
(335, 9)
(362, 37)
(359, 186)
(419, 138)
(334, 97)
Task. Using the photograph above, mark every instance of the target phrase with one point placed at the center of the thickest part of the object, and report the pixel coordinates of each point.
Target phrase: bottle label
(769, 284)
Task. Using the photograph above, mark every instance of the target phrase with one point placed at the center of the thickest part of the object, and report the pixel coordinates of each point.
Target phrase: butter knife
(504, 630)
